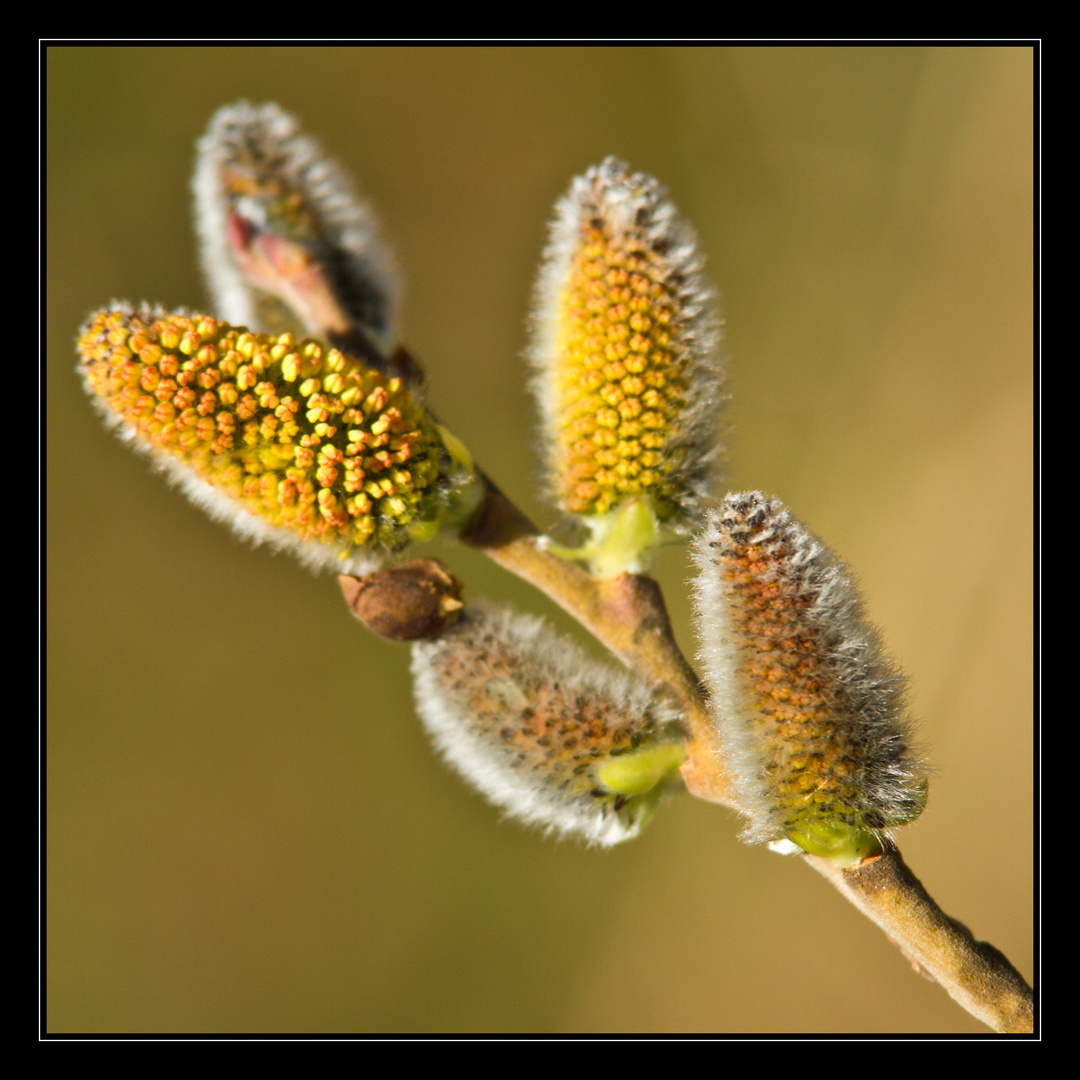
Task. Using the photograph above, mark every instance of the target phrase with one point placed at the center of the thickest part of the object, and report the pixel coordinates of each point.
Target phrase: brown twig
(975, 974)
(628, 615)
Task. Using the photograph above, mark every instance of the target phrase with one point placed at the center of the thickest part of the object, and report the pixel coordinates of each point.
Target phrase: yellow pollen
(617, 364)
(220, 401)
(290, 368)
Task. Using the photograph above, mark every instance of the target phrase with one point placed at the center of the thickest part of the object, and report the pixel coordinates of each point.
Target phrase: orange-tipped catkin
(625, 352)
(541, 730)
(810, 710)
(291, 443)
(282, 232)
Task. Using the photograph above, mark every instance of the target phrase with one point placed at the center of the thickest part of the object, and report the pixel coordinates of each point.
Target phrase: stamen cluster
(625, 350)
(621, 384)
(301, 437)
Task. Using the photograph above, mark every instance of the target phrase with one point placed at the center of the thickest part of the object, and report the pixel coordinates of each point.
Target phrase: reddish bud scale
(417, 600)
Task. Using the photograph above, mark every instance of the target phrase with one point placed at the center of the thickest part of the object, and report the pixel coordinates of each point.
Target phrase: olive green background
(246, 827)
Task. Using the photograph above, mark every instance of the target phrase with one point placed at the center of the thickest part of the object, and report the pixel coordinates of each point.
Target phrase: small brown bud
(419, 599)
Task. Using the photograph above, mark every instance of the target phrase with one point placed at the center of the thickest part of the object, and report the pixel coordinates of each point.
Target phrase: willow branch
(628, 615)
(975, 974)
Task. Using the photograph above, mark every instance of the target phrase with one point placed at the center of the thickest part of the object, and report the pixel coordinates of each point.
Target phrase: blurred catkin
(286, 243)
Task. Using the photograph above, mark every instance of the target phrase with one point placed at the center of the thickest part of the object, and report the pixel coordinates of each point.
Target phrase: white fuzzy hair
(868, 691)
(366, 271)
(470, 743)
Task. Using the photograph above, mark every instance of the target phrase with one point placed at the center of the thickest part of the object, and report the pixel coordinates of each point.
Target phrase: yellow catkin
(258, 420)
(621, 381)
(625, 352)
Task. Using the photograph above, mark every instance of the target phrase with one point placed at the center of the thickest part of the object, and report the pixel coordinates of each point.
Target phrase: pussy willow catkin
(543, 731)
(810, 710)
(259, 181)
(625, 351)
(288, 441)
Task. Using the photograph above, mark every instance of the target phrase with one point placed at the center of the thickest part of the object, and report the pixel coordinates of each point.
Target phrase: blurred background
(246, 828)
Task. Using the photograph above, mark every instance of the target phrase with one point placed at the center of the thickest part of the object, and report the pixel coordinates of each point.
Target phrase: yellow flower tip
(543, 731)
(250, 431)
(286, 243)
(809, 708)
(625, 352)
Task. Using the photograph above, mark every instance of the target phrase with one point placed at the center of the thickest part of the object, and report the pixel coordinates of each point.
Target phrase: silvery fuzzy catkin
(543, 731)
(255, 170)
(810, 709)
